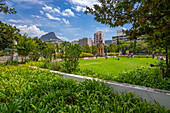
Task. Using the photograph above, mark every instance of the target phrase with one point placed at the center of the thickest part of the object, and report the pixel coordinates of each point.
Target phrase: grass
(109, 65)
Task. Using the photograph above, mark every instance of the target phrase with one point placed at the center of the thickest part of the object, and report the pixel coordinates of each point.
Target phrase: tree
(142, 47)
(10, 33)
(5, 9)
(48, 51)
(112, 47)
(106, 48)
(25, 46)
(86, 48)
(70, 54)
(148, 17)
(94, 49)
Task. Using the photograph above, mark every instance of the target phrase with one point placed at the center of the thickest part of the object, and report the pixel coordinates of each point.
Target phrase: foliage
(48, 51)
(5, 9)
(86, 55)
(149, 77)
(5, 43)
(70, 55)
(86, 48)
(113, 54)
(25, 46)
(8, 34)
(112, 47)
(4, 53)
(24, 89)
(37, 47)
(15, 63)
(94, 49)
(56, 66)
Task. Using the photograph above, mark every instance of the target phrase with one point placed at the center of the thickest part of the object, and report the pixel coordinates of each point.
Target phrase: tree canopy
(5, 9)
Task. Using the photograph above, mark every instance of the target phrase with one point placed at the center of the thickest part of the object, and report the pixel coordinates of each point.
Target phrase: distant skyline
(63, 17)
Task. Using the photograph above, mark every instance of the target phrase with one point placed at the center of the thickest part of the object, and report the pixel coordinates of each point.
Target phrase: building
(123, 37)
(75, 42)
(108, 42)
(114, 39)
(85, 41)
(99, 36)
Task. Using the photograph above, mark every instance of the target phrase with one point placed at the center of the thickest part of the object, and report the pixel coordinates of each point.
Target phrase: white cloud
(41, 12)
(66, 21)
(68, 13)
(31, 1)
(36, 16)
(88, 3)
(79, 8)
(104, 29)
(31, 30)
(15, 21)
(51, 17)
(48, 8)
(81, 4)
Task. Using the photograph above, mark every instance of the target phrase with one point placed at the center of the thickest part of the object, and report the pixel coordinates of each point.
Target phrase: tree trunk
(162, 71)
(167, 64)
(134, 47)
(12, 55)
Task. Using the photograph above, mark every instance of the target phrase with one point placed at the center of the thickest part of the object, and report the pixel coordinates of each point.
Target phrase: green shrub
(113, 54)
(15, 63)
(148, 77)
(54, 66)
(4, 53)
(24, 89)
(59, 55)
(86, 55)
(70, 54)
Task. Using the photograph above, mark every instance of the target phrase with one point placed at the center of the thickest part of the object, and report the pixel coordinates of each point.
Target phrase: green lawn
(114, 66)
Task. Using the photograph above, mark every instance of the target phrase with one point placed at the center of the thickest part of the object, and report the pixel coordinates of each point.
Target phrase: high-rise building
(99, 36)
(85, 41)
(122, 36)
(75, 42)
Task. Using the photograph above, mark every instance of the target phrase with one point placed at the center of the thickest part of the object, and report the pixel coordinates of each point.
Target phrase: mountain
(49, 36)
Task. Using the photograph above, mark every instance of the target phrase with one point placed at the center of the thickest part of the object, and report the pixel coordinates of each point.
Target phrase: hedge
(86, 55)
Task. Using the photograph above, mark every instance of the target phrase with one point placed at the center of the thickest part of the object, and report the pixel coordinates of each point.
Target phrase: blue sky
(63, 17)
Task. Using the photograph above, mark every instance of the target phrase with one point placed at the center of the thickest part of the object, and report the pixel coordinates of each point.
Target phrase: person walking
(131, 55)
(128, 55)
(153, 55)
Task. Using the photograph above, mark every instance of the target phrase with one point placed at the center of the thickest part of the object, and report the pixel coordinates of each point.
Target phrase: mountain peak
(49, 36)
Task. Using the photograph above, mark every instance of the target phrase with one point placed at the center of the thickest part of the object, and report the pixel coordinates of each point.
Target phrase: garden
(24, 89)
